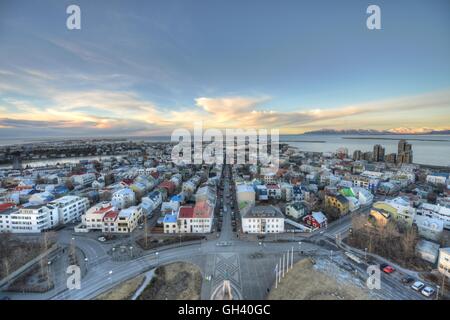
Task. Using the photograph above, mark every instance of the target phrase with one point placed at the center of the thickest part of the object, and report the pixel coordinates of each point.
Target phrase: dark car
(407, 280)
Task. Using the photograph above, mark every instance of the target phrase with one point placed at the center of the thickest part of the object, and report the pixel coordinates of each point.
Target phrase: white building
(435, 211)
(263, 219)
(30, 219)
(93, 219)
(123, 198)
(438, 178)
(70, 208)
(444, 261)
(128, 219)
(83, 179)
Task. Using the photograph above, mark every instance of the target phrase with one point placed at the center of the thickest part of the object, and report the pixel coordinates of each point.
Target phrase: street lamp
(299, 246)
(131, 251)
(110, 275)
(437, 292)
(365, 254)
(156, 254)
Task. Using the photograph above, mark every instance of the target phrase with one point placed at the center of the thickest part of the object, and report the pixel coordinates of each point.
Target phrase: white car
(418, 285)
(427, 291)
(101, 239)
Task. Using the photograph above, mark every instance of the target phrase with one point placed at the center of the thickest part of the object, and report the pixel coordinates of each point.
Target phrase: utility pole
(276, 276)
(292, 257)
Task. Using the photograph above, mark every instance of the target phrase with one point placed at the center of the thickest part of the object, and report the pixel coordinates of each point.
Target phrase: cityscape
(239, 151)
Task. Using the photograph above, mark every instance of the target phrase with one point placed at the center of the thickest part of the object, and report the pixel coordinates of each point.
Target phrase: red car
(388, 269)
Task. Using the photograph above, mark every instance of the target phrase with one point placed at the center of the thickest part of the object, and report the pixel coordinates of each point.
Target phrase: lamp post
(365, 254)
(437, 292)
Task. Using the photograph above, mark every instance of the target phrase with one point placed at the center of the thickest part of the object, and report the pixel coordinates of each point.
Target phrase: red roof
(186, 212)
(103, 209)
(6, 206)
(202, 209)
(168, 185)
(155, 174)
(111, 215)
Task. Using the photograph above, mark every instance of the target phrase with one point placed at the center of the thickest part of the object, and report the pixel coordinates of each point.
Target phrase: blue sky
(146, 67)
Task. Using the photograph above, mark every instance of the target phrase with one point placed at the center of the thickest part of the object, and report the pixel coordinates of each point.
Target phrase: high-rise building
(357, 155)
(405, 153)
(391, 157)
(368, 156)
(378, 153)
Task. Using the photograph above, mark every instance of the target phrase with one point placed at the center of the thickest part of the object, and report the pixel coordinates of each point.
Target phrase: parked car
(101, 239)
(427, 291)
(418, 285)
(407, 280)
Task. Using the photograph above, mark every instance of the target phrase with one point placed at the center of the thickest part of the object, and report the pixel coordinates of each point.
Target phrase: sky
(143, 68)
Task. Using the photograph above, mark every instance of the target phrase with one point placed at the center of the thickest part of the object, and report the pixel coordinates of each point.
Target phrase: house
(261, 192)
(83, 180)
(262, 219)
(123, 198)
(128, 219)
(339, 202)
(379, 216)
(296, 209)
(429, 228)
(93, 218)
(273, 191)
(444, 261)
(110, 221)
(427, 250)
(399, 209)
(196, 219)
(435, 211)
(316, 220)
(438, 178)
(170, 223)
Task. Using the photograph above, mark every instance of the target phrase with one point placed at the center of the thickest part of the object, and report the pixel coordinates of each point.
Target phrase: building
(391, 158)
(379, 216)
(444, 261)
(83, 179)
(378, 153)
(93, 218)
(29, 219)
(339, 202)
(263, 219)
(398, 208)
(427, 250)
(429, 228)
(405, 153)
(196, 219)
(357, 155)
(123, 198)
(297, 210)
(438, 179)
(274, 191)
(261, 192)
(70, 208)
(170, 223)
(128, 219)
(316, 220)
(436, 212)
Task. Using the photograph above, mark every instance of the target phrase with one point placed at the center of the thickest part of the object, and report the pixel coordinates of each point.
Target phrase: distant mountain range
(399, 131)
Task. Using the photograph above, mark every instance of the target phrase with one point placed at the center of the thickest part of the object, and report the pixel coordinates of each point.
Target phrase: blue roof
(170, 218)
(176, 198)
